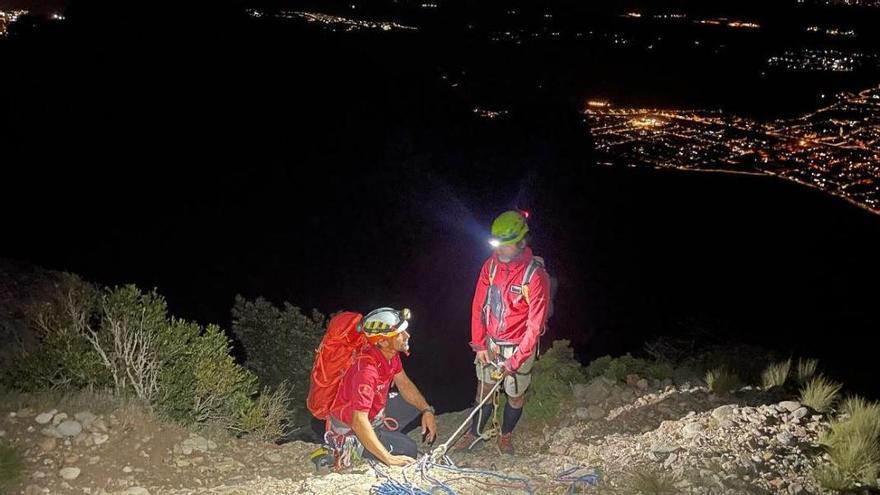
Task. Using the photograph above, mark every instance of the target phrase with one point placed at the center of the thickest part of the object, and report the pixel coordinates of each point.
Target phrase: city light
(835, 148)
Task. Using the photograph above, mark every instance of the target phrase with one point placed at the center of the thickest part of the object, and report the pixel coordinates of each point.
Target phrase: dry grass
(776, 374)
(721, 381)
(820, 394)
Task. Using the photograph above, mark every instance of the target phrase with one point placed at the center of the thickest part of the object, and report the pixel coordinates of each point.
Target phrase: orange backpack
(335, 355)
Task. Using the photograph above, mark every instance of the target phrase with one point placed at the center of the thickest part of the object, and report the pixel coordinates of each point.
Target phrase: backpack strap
(537, 262)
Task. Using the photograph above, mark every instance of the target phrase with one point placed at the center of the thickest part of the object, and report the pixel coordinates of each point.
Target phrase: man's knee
(399, 444)
(517, 402)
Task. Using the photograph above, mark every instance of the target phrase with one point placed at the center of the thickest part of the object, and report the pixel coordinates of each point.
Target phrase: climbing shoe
(505, 443)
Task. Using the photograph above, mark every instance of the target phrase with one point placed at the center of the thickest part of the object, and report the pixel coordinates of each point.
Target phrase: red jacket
(510, 317)
(365, 386)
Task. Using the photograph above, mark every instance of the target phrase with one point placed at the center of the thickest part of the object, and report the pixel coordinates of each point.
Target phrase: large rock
(69, 473)
(51, 431)
(595, 412)
(799, 414)
(48, 444)
(789, 405)
(691, 430)
(69, 428)
(85, 418)
(722, 413)
(45, 418)
(594, 392)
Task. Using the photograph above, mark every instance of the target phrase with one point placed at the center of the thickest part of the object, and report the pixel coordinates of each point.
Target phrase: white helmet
(385, 322)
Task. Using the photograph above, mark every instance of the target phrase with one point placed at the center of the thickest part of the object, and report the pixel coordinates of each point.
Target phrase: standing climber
(510, 310)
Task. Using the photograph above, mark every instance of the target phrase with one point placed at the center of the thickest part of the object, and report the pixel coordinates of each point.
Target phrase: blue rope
(390, 486)
(588, 479)
(528, 488)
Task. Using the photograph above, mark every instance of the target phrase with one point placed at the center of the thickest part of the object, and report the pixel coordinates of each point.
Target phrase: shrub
(820, 394)
(648, 482)
(279, 345)
(122, 338)
(776, 374)
(806, 368)
(721, 381)
(63, 359)
(552, 380)
(10, 466)
(852, 444)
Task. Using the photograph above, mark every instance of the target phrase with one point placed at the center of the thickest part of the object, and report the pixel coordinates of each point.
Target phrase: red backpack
(337, 352)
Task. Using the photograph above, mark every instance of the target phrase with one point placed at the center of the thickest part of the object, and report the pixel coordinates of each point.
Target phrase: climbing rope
(577, 477)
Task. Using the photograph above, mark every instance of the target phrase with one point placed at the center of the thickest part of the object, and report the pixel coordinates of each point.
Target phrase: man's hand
(429, 425)
(506, 370)
(483, 356)
(399, 460)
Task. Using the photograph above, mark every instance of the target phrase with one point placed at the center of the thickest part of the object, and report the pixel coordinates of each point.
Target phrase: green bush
(279, 345)
(618, 368)
(123, 339)
(820, 394)
(552, 380)
(63, 359)
(10, 466)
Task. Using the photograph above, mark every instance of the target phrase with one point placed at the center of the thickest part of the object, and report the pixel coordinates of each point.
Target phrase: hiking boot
(505, 443)
(464, 443)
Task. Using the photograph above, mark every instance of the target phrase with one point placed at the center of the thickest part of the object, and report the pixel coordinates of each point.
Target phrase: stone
(799, 413)
(137, 490)
(785, 438)
(71, 458)
(100, 438)
(69, 428)
(98, 425)
(127, 469)
(85, 418)
(50, 431)
(596, 391)
(632, 379)
(723, 412)
(44, 418)
(691, 430)
(48, 444)
(642, 384)
(789, 405)
(595, 412)
(69, 473)
(664, 448)
(59, 418)
(582, 413)
(273, 458)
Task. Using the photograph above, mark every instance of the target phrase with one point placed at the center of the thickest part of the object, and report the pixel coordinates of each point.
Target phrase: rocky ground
(698, 442)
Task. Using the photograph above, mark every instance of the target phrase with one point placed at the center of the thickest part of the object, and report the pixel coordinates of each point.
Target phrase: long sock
(476, 427)
(511, 418)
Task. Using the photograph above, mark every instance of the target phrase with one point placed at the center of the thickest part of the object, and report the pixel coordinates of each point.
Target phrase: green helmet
(509, 228)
